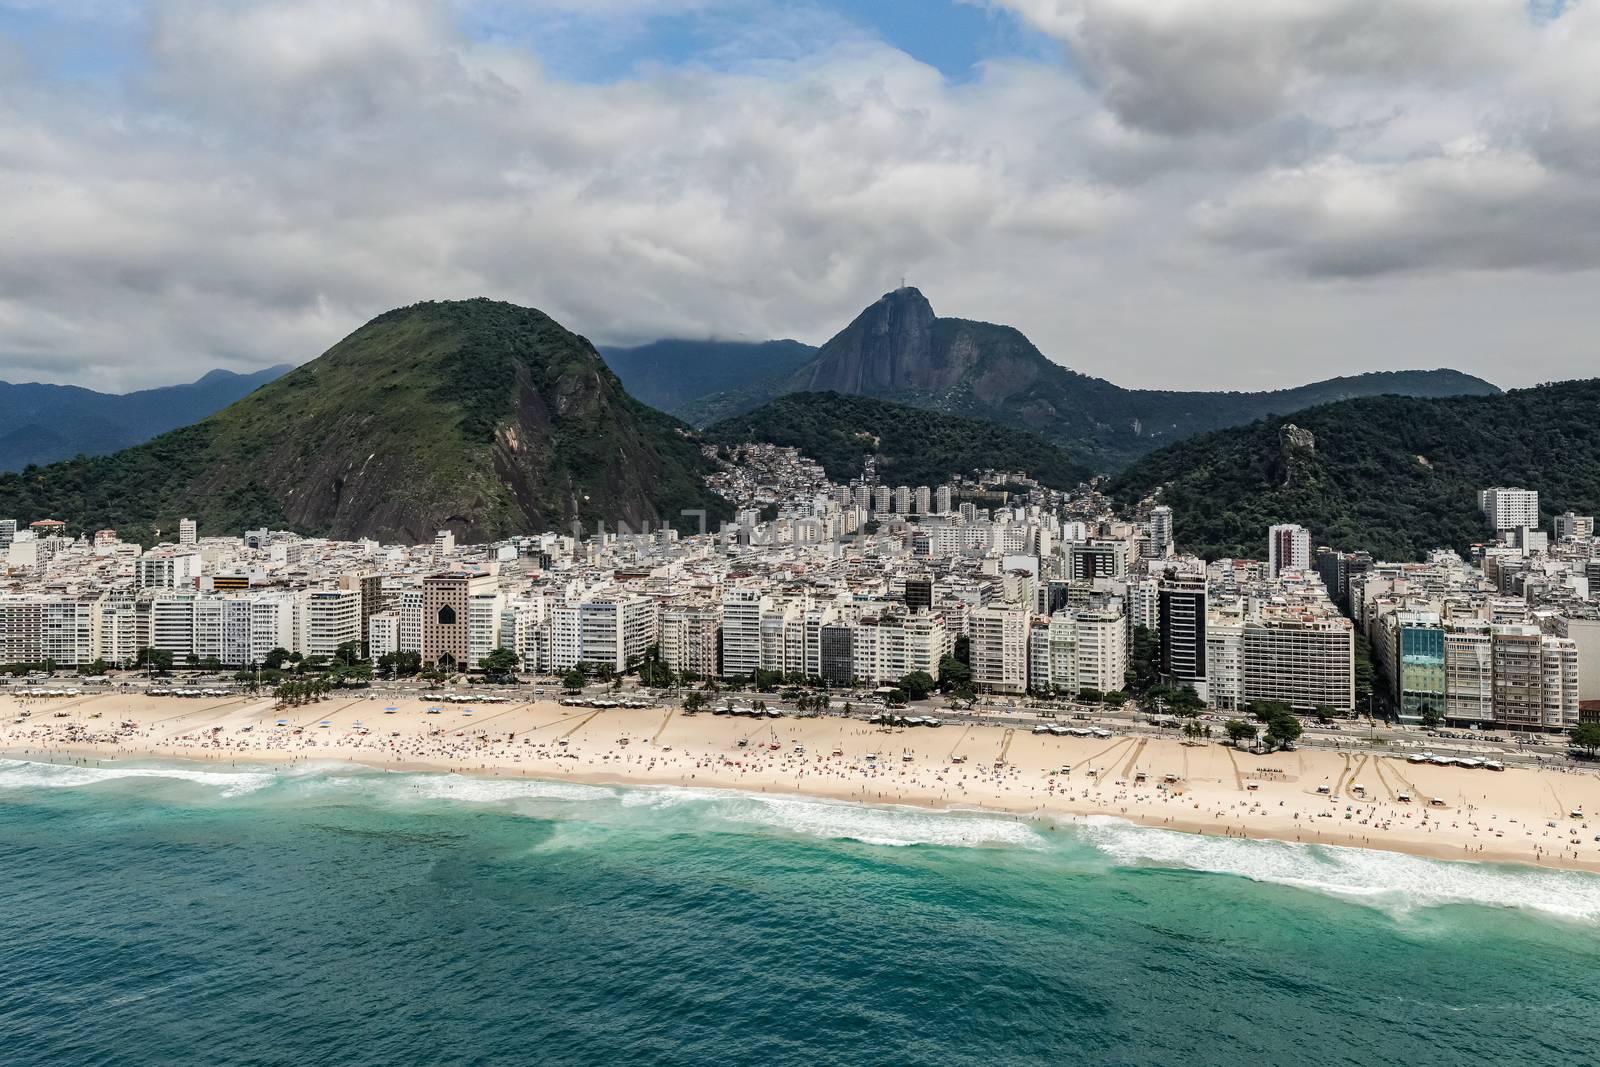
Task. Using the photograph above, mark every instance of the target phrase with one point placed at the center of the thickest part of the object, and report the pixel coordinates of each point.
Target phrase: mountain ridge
(46, 422)
(898, 349)
(675, 371)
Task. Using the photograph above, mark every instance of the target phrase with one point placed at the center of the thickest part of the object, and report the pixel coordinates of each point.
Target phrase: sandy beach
(1517, 815)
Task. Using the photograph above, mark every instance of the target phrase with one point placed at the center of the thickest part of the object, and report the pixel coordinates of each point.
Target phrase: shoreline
(1517, 816)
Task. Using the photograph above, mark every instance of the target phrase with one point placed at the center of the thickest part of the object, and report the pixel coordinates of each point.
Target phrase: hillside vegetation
(1393, 475)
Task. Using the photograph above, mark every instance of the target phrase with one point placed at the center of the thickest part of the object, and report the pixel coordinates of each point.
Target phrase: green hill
(475, 415)
(912, 446)
(1393, 475)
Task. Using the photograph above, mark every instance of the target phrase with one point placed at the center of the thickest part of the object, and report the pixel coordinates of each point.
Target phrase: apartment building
(689, 635)
(1509, 508)
(329, 618)
(1182, 613)
(1468, 673)
(742, 608)
(1000, 647)
(1301, 659)
(1100, 646)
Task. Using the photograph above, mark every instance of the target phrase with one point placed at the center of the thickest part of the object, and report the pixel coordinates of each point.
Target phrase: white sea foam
(876, 826)
(469, 790)
(1389, 880)
(27, 774)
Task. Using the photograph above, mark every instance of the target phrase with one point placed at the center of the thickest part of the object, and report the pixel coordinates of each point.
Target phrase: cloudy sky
(1179, 193)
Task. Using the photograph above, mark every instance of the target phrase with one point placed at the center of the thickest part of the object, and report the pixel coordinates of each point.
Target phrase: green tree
(400, 664)
(573, 679)
(1283, 730)
(1239, 730)
(1587, 736)
(954, 674)
(500, 663)
(156, 659)
(349, 654)
(917, 685)
(1364, 669)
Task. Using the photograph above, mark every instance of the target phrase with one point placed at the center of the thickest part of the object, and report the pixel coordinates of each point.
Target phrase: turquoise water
(327, 916)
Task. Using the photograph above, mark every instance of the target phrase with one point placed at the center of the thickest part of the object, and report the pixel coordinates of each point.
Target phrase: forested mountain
(479, 416)
(44, 423)
(911, 446)
(1394, 475)
(899, 350)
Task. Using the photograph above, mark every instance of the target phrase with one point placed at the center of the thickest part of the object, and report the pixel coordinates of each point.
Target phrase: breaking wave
(1389, 880)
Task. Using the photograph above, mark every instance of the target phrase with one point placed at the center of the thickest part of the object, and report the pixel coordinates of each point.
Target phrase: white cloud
(1181, 66)
(1202, 188)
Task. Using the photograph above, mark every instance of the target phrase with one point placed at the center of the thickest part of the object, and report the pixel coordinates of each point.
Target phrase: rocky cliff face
(1296, 449)
(888, 349)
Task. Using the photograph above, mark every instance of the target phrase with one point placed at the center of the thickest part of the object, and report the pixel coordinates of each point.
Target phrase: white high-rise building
(1509, 509)
(328, 619)
(1101, 646)
(1468, 672)
(383, 635)
(999, 640)
(943, 499)
(741, 631)
(616, 630)
(172, 624)
(1225, 657)
(222, 629)
(483, 625)
(410, 636)
(1288, 549)
(188, 532)
(1302, 661)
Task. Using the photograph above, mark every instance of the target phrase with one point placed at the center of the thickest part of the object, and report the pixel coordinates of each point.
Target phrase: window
(447, 616)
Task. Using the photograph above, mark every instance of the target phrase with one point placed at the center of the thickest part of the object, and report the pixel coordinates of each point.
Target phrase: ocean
(175, 914)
